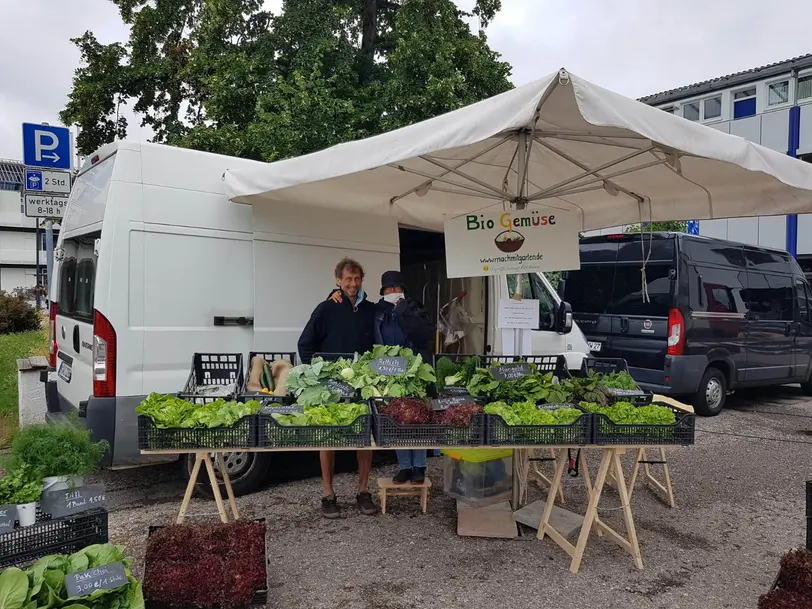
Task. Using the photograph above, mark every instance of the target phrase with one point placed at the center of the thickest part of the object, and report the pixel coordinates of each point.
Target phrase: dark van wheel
(712, 393)
(247, 471)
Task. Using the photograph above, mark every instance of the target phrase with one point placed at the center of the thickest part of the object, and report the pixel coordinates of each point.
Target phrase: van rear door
(640, 315)
(74, 321)
(617, 316)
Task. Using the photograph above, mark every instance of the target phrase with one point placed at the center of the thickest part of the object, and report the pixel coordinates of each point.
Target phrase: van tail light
(53, 347)
(104, 357)
(676, 332)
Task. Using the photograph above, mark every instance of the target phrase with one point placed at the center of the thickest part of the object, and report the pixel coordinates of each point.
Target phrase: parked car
(715, 315)
(154, 264)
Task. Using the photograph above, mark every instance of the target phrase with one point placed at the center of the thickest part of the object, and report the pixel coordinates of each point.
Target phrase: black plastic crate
(271, 434)
(603, 365)
(682, 432)
(577, 433)
(269, 357)
(260, 596)
(67, 535)
(242, 434)
(391, 434)
(209, 369)
(331, 357)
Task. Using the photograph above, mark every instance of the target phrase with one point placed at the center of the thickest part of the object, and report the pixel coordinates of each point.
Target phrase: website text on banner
(508, 242)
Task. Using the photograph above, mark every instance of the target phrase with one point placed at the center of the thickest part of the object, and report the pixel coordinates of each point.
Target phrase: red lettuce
(407, 411)
(458, 415)
(205, 565)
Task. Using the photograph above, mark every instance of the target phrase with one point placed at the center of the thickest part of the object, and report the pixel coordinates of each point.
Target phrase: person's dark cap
(392, 279)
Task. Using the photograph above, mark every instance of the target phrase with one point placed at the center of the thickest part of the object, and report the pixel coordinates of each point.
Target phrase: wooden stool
(388, 488)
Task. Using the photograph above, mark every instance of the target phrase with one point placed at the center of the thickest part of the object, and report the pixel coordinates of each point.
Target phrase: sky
(634, 47)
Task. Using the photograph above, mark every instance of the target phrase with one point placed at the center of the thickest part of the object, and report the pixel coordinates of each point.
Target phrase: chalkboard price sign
(510, 372)
(68, 502)
(8, 514)
(270, 407)
(446, 402)
(342, 389)
(390, 366)
(454, 390)
(106, 577)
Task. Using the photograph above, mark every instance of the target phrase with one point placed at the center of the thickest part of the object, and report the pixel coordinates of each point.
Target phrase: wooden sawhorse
(201, 458)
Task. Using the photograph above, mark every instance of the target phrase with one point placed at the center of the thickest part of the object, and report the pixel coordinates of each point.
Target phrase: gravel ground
(740, 505)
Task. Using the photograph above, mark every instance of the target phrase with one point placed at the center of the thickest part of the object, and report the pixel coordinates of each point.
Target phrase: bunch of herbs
(63, 449)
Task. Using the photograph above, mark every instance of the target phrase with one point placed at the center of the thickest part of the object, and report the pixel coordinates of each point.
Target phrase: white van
(151, 252)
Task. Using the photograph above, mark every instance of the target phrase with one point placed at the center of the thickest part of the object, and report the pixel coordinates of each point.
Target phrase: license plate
(594, 346)
(65, 371)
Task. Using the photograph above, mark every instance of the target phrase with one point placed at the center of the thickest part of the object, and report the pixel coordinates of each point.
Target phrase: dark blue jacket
(338, 328)
(404, 325)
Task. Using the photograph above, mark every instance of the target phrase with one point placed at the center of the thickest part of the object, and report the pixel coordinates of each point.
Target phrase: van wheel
(710, 399)
(247, 471)
(806, 387)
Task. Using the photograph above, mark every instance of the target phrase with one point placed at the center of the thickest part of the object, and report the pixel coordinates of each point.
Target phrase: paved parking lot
(740, 505)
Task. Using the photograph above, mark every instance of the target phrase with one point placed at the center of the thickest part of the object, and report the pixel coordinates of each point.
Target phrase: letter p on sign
(45, 141)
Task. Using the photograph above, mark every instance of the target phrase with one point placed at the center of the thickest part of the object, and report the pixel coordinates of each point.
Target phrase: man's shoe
(329, 507)
(403, 476)
(418, 475)
(366, 505)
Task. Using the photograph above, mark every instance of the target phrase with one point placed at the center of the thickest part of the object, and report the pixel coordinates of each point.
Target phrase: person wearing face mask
(402, 321)
(342, 326)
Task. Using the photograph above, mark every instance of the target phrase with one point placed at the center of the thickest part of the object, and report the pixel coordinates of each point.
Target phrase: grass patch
(12, 348)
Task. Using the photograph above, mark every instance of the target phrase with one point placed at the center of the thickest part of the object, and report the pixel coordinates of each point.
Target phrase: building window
(712, 108)
(778, 93)
(744, 103)
(804, 90)
(691, 111)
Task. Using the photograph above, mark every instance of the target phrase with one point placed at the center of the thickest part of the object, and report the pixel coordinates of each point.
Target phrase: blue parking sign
(33, 180)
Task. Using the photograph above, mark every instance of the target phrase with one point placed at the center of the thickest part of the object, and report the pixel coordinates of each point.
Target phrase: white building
(772, 106)
(18, 234)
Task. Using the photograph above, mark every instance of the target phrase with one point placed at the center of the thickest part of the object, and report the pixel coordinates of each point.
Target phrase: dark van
(718, 315)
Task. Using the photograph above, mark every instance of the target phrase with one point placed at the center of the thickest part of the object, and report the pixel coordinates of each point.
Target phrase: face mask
(361, 295)
(393, 298)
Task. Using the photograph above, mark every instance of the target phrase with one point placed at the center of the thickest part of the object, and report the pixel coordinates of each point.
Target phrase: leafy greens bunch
(527, 413)
(533, 387)
(450, 374)
(42, 585)
(20, 485)
(625, 413)
(414, 383)
(169, 411)
(329, 415)
(614, 380)
(307, 381)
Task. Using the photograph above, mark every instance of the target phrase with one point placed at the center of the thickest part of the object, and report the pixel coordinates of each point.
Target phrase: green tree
(226, 76)
(676, 226)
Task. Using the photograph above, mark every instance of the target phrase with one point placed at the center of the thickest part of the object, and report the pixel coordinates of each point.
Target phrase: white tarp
(577, 146)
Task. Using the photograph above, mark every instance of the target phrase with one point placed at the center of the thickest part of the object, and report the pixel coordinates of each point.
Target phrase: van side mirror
(563, 318)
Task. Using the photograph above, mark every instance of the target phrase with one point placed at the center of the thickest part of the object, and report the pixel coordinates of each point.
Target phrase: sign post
(47, 156)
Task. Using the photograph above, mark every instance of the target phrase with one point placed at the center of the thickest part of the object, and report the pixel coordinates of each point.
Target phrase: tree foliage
(227, 76)
(675, 226)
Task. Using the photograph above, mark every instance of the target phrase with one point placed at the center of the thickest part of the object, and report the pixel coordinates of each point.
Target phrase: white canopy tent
(558, 142)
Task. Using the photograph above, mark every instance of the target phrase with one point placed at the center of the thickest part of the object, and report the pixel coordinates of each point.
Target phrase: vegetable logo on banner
(507, 242)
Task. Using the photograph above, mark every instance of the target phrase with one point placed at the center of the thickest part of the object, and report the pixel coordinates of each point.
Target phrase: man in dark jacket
(342, 327)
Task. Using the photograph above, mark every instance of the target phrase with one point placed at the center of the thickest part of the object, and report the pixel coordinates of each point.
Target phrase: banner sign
(511, 242)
